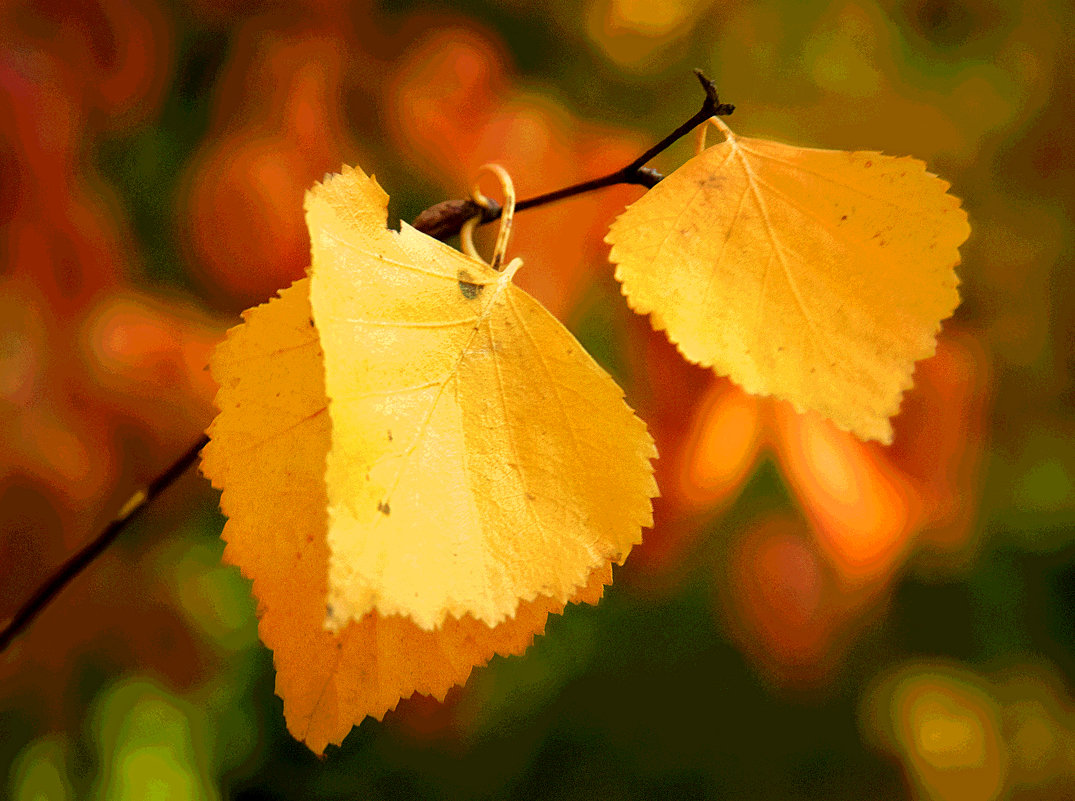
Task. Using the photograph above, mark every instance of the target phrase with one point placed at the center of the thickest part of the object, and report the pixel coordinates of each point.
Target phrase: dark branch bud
(648, 177)
(445, 219)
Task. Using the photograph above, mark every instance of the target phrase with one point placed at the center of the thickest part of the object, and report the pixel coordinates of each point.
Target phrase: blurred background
(810, 617)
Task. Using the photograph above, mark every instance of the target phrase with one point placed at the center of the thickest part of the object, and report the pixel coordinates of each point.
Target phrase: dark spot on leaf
(842, 218)
(710, 181)
(382, 507)
(328, 610)
(311, 322)
(470, 290)
(389, 436)
(869, 163)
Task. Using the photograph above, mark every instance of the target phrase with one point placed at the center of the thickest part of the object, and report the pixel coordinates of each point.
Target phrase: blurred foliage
(810, 617)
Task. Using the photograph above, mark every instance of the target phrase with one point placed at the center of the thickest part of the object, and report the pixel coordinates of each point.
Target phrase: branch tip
(708, 86)
(712, 102)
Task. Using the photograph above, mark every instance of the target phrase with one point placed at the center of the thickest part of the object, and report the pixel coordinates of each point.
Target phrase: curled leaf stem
(440, 221)
(507, 211)
(435, 222)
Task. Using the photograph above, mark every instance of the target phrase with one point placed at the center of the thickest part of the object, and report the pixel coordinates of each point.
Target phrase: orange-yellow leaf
(479, 457)
(267, 454)
(817, 276)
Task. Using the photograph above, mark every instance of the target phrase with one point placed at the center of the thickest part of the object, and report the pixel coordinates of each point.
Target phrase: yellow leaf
(480, 458)
(267, 453)
(816, 276)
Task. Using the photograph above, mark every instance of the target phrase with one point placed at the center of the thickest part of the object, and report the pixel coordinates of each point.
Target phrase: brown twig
(445, 219)
(77, 563)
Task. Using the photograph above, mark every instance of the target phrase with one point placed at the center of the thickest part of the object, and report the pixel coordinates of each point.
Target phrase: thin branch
(77, 563)
(440, 221)
(446, 219)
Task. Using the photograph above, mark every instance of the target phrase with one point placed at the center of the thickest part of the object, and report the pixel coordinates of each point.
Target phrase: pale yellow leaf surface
(267, 453)
(816, 276)
(480, 458)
